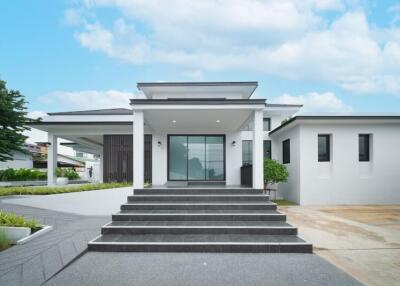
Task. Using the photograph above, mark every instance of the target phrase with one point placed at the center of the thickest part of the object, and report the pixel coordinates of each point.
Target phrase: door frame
(187, 169)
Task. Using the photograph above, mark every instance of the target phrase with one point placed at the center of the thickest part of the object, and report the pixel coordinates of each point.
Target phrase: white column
(258, 156)
(138, 149)
(52, 159)
(101, 167)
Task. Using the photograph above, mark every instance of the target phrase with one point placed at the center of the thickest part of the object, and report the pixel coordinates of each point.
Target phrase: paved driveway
(200, 269)
(364, 241)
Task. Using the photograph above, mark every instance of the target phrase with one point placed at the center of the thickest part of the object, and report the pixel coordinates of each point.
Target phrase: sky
(329, 55)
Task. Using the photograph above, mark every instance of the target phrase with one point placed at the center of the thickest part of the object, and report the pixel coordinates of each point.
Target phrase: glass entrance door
(196, 157)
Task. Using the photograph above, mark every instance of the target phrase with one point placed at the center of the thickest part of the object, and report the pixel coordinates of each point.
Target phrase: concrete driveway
(364, 241)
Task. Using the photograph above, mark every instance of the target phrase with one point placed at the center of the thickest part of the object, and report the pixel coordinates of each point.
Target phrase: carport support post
(138, 149)
(52, 159)
(258, 154)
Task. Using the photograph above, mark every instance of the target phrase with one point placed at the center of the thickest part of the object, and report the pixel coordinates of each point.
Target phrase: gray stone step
(199, 227)
(179, 205)
(209, 215)
(198, 197)
(200, 243)
(197, 190)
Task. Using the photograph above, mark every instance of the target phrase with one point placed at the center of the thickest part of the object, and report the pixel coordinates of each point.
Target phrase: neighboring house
(22, 160)
(204, 132)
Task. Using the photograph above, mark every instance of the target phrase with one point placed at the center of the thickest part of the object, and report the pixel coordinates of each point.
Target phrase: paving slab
(198, 269)
(362, 240)
(39, 259)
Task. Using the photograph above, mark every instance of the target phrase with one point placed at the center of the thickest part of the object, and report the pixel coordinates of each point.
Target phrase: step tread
(193, 224)
(256, 203)
(199, 212)
(197, 239)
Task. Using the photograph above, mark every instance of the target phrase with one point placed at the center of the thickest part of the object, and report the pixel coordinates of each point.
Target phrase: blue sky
(330, 55)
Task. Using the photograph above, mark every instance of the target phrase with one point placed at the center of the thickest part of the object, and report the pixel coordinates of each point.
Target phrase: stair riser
(202, 198)
(184, 191)
(243, 207)
(144, 217)
(264, 231)
(287, 248)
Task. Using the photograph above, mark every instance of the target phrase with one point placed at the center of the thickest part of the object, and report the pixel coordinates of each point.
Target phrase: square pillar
(138, 149)
(101, 168)
(258, 154)
(52, 159)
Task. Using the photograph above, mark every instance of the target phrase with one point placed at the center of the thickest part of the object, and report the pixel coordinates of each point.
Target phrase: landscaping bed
(8, 191)
(16, 229)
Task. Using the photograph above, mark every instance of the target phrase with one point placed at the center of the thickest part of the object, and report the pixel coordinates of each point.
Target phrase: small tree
(274, 172)
(12, 122)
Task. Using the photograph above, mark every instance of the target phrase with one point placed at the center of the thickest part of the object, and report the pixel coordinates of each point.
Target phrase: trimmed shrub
(67, 173)
(4, 241)
(8, 191)
(22, 174)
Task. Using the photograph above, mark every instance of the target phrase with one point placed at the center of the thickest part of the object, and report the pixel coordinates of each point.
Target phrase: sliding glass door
(196, 157)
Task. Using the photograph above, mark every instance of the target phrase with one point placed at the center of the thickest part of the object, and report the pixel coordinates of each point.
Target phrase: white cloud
(88, 99)
(287, 38)
(316, 102)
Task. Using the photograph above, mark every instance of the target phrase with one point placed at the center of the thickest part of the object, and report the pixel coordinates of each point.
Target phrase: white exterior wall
(345, 180)
(290, 190)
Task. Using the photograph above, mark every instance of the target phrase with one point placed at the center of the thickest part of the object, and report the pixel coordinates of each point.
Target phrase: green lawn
(44, 190)
(284, 203)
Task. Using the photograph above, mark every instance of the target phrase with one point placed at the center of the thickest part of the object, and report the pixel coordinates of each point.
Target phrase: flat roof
(197, 83)
(335, 117)
(108, 111)
(196, 101)
(210, 89)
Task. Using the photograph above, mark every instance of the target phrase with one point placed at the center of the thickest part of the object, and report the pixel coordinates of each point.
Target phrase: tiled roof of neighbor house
(338, 117)
(110, 111)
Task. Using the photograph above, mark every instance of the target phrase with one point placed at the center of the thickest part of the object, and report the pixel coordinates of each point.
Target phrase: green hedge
(23, 174)
(8, 191)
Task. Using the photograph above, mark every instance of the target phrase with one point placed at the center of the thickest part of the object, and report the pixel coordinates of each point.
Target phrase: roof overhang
(198, 89)
(143, 104)
(335, 119)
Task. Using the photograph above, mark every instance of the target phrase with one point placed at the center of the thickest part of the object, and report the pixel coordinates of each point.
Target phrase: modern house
(204, 132)
(202, 146)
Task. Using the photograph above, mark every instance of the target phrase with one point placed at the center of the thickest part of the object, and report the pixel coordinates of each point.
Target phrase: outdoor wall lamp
(159, 143)
(233, 143)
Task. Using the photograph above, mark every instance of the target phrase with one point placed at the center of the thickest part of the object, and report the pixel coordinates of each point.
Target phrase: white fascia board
(88, 118)
(197, 107)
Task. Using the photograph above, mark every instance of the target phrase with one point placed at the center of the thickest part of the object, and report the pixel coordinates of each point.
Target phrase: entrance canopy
(196, 115)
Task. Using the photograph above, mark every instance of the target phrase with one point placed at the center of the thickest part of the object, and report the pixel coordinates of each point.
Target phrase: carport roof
(196, 101)
(110, 111)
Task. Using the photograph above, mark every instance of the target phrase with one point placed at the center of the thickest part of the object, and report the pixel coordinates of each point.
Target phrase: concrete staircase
(199, 220)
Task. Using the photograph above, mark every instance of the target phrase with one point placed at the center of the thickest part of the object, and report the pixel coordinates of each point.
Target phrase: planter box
(21, 235)
(62, 181)
(15, 233)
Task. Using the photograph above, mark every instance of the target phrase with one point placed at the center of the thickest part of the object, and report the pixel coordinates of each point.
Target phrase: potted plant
(64, 175)
(274, 172)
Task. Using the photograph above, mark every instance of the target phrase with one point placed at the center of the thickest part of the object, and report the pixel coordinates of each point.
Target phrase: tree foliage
(12, 122)
(274, 172)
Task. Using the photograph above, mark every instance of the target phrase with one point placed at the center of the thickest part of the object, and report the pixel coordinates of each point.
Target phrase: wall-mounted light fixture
(233, 143)
(159, 143)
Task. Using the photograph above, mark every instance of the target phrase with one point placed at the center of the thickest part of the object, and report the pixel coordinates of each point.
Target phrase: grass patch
(4, 241)
(8, 191)
(284, 203)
